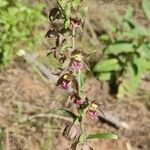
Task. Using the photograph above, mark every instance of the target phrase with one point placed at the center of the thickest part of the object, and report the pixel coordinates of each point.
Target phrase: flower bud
(65, 81)
(71, 132)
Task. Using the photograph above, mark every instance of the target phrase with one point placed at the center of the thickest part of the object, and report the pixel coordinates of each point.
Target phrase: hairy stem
(73, 38)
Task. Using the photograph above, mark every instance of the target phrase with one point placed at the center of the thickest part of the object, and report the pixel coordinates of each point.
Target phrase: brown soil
(23, 95)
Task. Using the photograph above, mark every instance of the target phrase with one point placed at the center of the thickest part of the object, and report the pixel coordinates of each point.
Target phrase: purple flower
(77, 65)
(93, 114)
(65, 85)
(71, 132)
(75, 22)
(78, 101)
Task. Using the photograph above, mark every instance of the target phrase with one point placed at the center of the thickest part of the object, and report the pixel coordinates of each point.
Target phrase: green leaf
(118, 48)
(64, 47)
(102, 136)
(104, 76)
(3, 3)
(129, 13)
(68, 11)
(67, 24)
(82, 138)
(140, 31)
(146, 8)
(107, 65)
(84, 11)
(104, 38)
(66, 113)
(144, 51)
(75, 3)
(62, 3)
(130, 81)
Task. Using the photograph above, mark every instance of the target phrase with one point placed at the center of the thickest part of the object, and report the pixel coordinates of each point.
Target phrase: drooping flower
(65, 81)
(71, 132)
(76, 65)
(93, 114)
(77, 56)
(92, 110)
(75, 22)
(65, 85)
(78, 101)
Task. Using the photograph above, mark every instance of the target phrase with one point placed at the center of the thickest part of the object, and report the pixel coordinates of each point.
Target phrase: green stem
(73, 38)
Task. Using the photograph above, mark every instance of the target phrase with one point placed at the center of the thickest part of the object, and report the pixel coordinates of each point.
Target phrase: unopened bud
(71, 132)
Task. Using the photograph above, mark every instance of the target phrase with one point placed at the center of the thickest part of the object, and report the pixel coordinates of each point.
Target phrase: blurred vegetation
(126, 54)
(18, 28)
(127, 47)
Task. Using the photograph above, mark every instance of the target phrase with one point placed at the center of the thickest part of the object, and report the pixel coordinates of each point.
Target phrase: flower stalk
(71, 75)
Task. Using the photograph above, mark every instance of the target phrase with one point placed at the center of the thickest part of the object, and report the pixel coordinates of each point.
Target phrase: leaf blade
(67, 113)
(103, 136)
(146, 8)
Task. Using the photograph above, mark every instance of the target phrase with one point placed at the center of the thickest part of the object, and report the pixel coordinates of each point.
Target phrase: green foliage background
(127, 52)
(18, 24)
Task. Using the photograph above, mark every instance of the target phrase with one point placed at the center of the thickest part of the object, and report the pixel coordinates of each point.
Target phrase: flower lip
(76, 65)
(65, 85)
(93, 114)
(78, 101)
(75, 22)
(93, 110)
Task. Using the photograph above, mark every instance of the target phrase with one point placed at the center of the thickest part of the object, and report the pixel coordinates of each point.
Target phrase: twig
(114, 121)
(43, 115)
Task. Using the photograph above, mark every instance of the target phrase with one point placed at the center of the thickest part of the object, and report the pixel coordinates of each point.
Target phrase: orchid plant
(70, 14)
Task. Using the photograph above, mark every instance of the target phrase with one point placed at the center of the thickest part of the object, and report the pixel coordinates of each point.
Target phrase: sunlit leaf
(107, 65)
(130, 81)
(104, 76)
(75, 3)
(102, 136)
(62, 3)
(67, 24)
(118, 48)
(84, 11)
(146, 8)
(3, 3)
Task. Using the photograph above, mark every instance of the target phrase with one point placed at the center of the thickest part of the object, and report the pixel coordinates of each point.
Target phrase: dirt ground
(23, 94)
